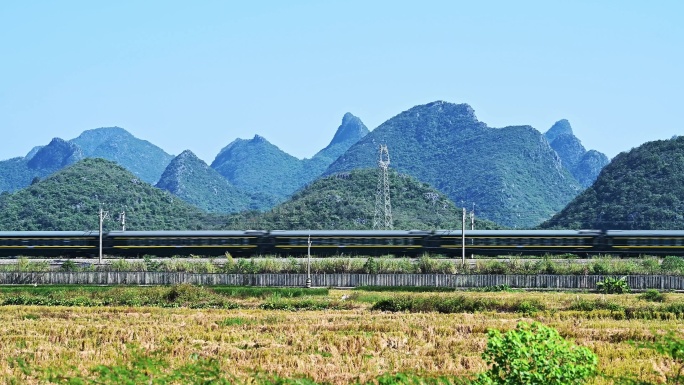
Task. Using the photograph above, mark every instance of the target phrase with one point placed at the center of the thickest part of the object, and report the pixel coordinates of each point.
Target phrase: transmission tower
(383, 207)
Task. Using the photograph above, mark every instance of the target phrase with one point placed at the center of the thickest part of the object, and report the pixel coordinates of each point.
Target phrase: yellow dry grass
(331, 346)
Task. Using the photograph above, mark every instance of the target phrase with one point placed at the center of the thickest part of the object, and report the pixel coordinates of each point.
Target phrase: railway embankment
(456, 281)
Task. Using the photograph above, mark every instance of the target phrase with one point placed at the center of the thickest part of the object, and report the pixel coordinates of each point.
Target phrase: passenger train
(411, 243)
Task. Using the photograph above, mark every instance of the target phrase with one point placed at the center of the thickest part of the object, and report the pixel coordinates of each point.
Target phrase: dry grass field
(335, 346)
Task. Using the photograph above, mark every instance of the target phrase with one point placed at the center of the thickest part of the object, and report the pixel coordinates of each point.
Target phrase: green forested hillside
(192, 180)
(583, 165)
(347, 201)
(511, 174)
(71, 198)
(140, 157)
(257, 166)
(639, 189)
(17, 173)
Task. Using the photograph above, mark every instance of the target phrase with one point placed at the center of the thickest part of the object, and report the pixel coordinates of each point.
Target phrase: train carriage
(507, 242)
(652, 242)
(169, 243)
(347, 242)
(49, 243)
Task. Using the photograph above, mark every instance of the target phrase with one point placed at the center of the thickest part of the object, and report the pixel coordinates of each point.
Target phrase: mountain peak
(349, 117)
(348, 133)
(187, 154)
(561, 127)
(56, 155)
(351, 130)
(462, 110)
(258, 139)
(144, 159)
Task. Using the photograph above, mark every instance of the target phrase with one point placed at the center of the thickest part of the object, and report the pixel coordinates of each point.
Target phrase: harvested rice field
(347, 342)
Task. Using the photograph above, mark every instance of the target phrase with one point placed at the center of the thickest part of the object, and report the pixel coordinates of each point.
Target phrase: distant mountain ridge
(514, 176)
(639, 189)
(583, 165)
(347, 201)
(257, 165)
(17, 173)
(71, 198)
(511, 174)
(192, 180)
(141, 157)
(144, 159)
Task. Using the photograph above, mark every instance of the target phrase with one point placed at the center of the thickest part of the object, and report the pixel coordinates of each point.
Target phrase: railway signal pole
(103, 216)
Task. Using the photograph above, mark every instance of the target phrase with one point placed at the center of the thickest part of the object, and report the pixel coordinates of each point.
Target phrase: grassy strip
(581, 308)
(426, 264)
(264, 292)
(183, 295)
(457, 304)
(152, 368)
(409, 289)
(432, 289)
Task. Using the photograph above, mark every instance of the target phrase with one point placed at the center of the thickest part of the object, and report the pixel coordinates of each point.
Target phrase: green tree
(535, 354)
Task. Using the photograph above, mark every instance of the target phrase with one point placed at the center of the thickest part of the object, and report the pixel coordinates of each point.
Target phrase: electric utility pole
(123, 220)
(463, 222)
(103, 216)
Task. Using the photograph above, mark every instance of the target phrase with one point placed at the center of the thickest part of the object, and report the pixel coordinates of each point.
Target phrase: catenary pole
(463, 237)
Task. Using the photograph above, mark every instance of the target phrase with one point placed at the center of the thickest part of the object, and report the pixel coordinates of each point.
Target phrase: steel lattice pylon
(382, 220)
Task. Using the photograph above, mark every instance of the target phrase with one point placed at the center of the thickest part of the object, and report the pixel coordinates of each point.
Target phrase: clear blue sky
(197, 75)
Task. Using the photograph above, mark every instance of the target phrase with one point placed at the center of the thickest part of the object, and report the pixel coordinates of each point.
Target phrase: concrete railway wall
(579, 282)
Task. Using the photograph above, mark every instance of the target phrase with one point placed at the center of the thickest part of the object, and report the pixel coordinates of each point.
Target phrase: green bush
(535, 355)
(612, 285)
(672, 264)
(371, 266)
(653, 295)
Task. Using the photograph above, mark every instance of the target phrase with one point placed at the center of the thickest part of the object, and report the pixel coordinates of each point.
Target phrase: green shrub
(535, 355)
(600, 267)
(672, 264)
(582, 304)
(653, 295)
(68, 265)
(651, 265)
(395, 304)
(529, 307)
(371, 266)
(612, 285)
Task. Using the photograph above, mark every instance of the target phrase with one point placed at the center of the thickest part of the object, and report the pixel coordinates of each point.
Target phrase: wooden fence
(579, 282)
